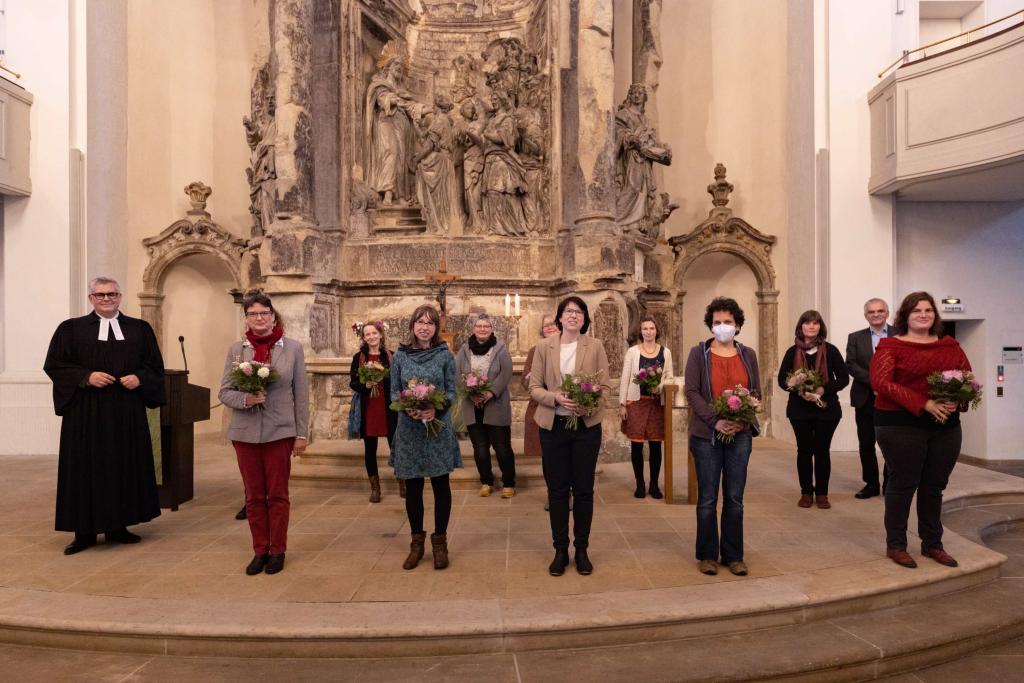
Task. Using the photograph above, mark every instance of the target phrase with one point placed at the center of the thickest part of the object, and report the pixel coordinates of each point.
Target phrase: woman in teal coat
(418, 455)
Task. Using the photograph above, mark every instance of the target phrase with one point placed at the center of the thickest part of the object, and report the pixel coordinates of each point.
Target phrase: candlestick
(508, 305)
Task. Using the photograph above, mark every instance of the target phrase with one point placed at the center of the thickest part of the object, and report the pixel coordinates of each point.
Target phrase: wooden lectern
(186, 405)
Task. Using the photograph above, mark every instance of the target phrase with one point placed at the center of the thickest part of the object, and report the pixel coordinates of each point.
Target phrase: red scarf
(820, 358)
(261, 345)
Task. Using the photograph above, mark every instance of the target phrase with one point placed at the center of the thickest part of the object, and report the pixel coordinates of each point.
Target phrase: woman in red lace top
(920, 438)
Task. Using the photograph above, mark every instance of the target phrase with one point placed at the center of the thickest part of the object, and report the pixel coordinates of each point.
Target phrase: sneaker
(709, 567)
(738, 568)
(508, 492)
(485, 491)
(901, 557)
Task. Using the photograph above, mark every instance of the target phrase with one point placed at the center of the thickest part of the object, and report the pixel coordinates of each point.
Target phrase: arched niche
(724, 233)
(192, 235)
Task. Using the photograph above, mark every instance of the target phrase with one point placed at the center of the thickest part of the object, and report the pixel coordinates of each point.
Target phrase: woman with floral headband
(370, 399)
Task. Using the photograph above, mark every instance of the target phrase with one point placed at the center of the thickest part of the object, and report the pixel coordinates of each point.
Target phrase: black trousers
(918, 460)
(442, 503)
(370, 454)
(484, 437)
(813, 456)
(865, 417)
(570, 461)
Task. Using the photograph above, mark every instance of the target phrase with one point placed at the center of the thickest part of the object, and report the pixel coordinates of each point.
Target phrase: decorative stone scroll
(194, 234)
(723, 232)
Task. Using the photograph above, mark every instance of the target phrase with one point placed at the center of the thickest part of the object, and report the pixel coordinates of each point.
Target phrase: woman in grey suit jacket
(267, 428)
(489, 418)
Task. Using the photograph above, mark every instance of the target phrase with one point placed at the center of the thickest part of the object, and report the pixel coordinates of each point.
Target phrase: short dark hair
(726, 305)
(583, 307)
(811, 316)
(435, 317)
(256, 296)
(648, 319)
(901, 322)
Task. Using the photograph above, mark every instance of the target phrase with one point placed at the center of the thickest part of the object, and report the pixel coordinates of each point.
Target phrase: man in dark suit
(860, 347)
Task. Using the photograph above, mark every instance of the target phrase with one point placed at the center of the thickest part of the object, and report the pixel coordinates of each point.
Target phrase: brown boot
(822, 502)
(415, 550)
(439, 544)
(375, 489)
(401, 488)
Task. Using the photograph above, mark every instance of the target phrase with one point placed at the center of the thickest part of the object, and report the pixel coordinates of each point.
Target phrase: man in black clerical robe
(106, 370)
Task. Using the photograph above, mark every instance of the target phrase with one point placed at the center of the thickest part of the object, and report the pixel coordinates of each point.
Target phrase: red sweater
(900, 369)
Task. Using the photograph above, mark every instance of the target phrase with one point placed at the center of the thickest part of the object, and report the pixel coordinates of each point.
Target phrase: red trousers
(265, 468)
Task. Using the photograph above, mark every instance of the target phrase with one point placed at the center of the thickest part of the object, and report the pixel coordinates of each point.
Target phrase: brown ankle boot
(439, 544)
(401, 488)
(375, 489)
(415, 550)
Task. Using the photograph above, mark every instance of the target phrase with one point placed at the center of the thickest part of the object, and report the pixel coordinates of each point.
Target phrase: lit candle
(517, 305)
(508, 304)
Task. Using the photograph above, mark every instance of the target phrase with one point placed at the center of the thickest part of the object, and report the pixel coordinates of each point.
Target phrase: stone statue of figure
(390, 134)
(532, 146)
(470, 130)
(262, 172)
(504, 178)
(437, 187)
(637, 150)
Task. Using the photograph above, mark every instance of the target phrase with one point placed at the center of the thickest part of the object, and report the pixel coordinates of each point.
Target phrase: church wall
(36, 286)
(188, 88)
(974, 251)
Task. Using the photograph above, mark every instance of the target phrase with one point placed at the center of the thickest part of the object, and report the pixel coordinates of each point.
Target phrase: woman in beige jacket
(569, 456)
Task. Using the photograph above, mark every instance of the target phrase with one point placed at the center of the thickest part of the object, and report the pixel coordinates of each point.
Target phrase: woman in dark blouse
(375, 418)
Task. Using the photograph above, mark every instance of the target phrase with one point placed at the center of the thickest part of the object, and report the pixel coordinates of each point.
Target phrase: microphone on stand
(181, 340)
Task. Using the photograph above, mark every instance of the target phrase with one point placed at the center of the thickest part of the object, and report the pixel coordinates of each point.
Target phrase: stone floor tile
(305, 588)
(463, 541)
(340, 562)
(410, 585)
(29, 665)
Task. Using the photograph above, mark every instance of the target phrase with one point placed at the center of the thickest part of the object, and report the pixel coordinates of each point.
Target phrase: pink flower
(599, 389)
(246, 369)
(420, 391)
(642, 374)
(471, 380)
(728, 392)
(587, 387)
(734, 402)
(952, 374)
(976, 385)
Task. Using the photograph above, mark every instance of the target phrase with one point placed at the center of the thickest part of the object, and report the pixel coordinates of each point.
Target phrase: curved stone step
(353, 475)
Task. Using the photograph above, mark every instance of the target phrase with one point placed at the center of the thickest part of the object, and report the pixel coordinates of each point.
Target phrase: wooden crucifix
(444, 280)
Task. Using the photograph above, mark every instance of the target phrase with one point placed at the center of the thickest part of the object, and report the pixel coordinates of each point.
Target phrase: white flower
(263, 372)
(245, 366)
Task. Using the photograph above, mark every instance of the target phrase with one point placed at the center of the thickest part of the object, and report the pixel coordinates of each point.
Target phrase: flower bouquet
(955, 386)
(588, 394)
(419, 395)
(373, 373)
(473, 384)
(804, 381)
(736, 405)
(252, 377)
(649, 378)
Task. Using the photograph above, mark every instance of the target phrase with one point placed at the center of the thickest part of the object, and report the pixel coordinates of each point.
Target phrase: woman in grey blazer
(488, 419)
(267, 428)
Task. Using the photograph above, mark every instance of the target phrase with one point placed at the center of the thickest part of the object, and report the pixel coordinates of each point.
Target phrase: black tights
(636, 454)
(442, 503)
(370, 454)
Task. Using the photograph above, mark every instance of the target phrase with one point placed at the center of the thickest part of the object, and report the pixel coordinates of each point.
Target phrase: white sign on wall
(1013, 355)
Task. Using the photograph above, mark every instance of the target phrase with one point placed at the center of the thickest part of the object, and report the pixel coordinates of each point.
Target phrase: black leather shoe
(121, 536)
(866, 492)
(257, 564)
(561, 561)
(583, 563)
(79, 544)
(241, 514)
(641, 490)
(275, 563)
(656, 492)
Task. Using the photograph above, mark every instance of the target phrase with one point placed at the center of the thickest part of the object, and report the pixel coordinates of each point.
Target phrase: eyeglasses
(259, 314)
(426, 323)
(105, 295)
(575, 312)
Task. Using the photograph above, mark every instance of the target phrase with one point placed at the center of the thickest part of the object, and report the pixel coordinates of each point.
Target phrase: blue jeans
(726, 462)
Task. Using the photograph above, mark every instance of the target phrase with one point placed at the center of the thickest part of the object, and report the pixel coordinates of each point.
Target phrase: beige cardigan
(628, 391)
(546, 375)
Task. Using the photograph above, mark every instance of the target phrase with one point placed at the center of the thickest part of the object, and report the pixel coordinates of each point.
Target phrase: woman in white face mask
(713, 366)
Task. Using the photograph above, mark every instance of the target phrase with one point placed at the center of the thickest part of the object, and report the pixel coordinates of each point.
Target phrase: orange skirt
(645, 419)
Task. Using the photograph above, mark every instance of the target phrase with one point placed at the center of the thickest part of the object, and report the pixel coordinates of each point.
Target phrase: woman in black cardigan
(375, 418)
(814, 415)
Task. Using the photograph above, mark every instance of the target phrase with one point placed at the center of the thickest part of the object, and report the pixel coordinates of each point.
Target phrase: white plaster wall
(974, 250)
(188, 88)
(35, 230)
(198, 308)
